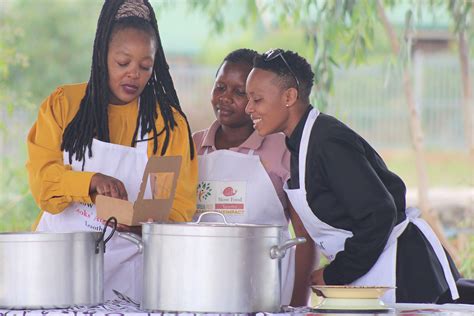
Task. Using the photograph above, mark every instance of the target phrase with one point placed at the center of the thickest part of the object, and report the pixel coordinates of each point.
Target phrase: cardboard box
(163, 173)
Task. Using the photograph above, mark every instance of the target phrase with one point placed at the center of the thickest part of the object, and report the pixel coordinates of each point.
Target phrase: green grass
(445, 169)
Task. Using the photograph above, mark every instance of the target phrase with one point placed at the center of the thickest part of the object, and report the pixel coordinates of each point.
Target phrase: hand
(108, 186)
(317, 277)
(130, 229)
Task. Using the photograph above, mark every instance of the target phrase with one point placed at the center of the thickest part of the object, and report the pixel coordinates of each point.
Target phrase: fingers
(122, 191)
(129, 229)
(110, 186)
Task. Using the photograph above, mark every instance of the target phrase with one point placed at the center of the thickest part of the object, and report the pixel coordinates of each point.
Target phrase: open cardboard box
(163, 174)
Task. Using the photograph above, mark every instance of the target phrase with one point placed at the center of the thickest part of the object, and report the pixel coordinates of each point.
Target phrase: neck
(296, 113)
(228, 137)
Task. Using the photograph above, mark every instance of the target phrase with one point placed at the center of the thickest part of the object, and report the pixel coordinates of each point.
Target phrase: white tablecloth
(123, 306)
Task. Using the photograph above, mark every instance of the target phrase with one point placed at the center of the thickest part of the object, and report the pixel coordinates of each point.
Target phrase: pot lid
(212, 229)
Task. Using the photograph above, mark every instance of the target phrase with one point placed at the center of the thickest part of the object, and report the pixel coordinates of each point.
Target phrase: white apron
(331, 240)
(122, 262)
(238, 186)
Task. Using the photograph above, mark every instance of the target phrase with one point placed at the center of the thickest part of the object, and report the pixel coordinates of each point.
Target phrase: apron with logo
(331, 240)
(238, 186)
(122, 262)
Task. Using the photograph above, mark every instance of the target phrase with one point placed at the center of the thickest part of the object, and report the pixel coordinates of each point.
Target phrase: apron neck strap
(308, 126)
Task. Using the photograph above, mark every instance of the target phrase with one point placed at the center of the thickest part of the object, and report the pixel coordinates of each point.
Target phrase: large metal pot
(52, 270)
(212, 267)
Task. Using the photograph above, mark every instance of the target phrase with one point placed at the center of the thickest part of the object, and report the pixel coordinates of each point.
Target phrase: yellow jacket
(54, 185)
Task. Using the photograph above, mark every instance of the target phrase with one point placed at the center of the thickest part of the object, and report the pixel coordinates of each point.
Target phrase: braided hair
(92, 119)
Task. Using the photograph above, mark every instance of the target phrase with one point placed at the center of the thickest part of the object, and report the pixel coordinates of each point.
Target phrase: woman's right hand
(108, 186)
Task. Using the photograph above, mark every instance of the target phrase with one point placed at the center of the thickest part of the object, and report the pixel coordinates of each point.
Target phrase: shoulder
(276, 141)
(63, 103)
(274, 154)
(330, 132)
(198, 138)
(74, 90)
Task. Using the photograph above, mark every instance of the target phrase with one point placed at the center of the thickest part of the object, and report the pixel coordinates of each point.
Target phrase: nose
(225, 98)
(134, 73)
(249, 107)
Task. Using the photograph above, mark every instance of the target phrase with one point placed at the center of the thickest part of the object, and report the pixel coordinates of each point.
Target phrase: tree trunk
(417, 140)
(467, 92)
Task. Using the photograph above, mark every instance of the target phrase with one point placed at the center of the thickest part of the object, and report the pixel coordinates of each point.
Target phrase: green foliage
(467, 257)
(58, 43)
(335, 32)
(17, 208)
(42, 44)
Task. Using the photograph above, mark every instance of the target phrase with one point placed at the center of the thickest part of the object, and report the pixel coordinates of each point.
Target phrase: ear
(291, 96)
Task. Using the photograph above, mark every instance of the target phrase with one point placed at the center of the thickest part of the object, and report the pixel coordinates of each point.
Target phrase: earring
(287, 105)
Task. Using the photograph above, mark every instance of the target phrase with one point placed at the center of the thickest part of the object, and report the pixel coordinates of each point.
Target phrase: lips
(224, 111)
(256, 121)
(130, 88)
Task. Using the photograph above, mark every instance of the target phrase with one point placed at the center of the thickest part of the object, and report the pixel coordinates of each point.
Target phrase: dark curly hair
(239, 56)
(300, 67)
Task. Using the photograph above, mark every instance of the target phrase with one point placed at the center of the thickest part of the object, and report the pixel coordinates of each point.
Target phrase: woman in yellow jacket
(96, 137)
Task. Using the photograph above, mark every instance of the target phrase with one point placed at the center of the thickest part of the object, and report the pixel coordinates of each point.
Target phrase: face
(267, 102)
(130, 63)
(228, 95)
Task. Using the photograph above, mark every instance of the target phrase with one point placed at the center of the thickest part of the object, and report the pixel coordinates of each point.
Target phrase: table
(123, 306)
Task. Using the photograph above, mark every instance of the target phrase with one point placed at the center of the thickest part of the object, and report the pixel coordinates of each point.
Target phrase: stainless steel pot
(212, 267)
(52, 270)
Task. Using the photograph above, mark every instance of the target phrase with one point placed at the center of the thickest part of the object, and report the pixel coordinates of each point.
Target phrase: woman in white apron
(96, 137)
(349, 202)
(241, 174)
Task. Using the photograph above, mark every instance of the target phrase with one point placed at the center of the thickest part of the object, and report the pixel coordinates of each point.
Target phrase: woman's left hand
(317, 277)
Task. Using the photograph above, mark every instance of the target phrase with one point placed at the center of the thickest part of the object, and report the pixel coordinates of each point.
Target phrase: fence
(368, 98)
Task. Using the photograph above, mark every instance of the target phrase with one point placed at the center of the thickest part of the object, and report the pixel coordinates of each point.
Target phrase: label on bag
(227, 197)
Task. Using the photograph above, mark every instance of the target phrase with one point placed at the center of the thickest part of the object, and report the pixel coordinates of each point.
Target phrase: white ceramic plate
(351, 292)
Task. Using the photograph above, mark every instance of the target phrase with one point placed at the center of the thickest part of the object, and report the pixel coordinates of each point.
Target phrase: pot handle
(212, 212)
(278, 252)
(132, 238)
(112, 220)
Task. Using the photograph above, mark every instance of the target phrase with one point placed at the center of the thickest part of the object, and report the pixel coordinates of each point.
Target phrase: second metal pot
(212, 267)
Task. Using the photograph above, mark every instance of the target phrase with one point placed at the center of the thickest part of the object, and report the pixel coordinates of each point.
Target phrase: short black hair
(239, 56)
(300, 67)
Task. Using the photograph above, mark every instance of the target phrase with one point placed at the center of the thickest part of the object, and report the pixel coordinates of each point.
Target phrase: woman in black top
(351, 204)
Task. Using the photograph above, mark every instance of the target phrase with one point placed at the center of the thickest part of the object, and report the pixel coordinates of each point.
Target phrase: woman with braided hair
(96, 137)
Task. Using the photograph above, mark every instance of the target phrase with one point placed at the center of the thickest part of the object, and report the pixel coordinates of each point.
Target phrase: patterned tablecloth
(124, 306)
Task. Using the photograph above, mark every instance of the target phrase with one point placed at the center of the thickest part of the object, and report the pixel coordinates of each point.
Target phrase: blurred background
(398, 72)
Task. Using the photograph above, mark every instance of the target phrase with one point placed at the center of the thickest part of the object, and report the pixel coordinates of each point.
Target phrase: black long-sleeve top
(349, 187)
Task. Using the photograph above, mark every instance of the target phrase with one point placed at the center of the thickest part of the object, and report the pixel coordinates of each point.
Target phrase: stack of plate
(342, 298)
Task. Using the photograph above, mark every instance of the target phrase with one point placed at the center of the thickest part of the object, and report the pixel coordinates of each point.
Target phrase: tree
(343, 32)
(462, 13)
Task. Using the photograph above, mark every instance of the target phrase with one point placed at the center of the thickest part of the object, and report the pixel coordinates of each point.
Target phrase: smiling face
(267, 102)
(130, 62)
(228, 95)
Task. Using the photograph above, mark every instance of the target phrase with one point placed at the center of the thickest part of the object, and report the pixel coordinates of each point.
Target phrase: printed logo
(204, 190)
(229, 191)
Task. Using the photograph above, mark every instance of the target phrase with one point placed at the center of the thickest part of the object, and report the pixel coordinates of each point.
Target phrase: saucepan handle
(209, 213)
(278, 252)
(112, 222)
